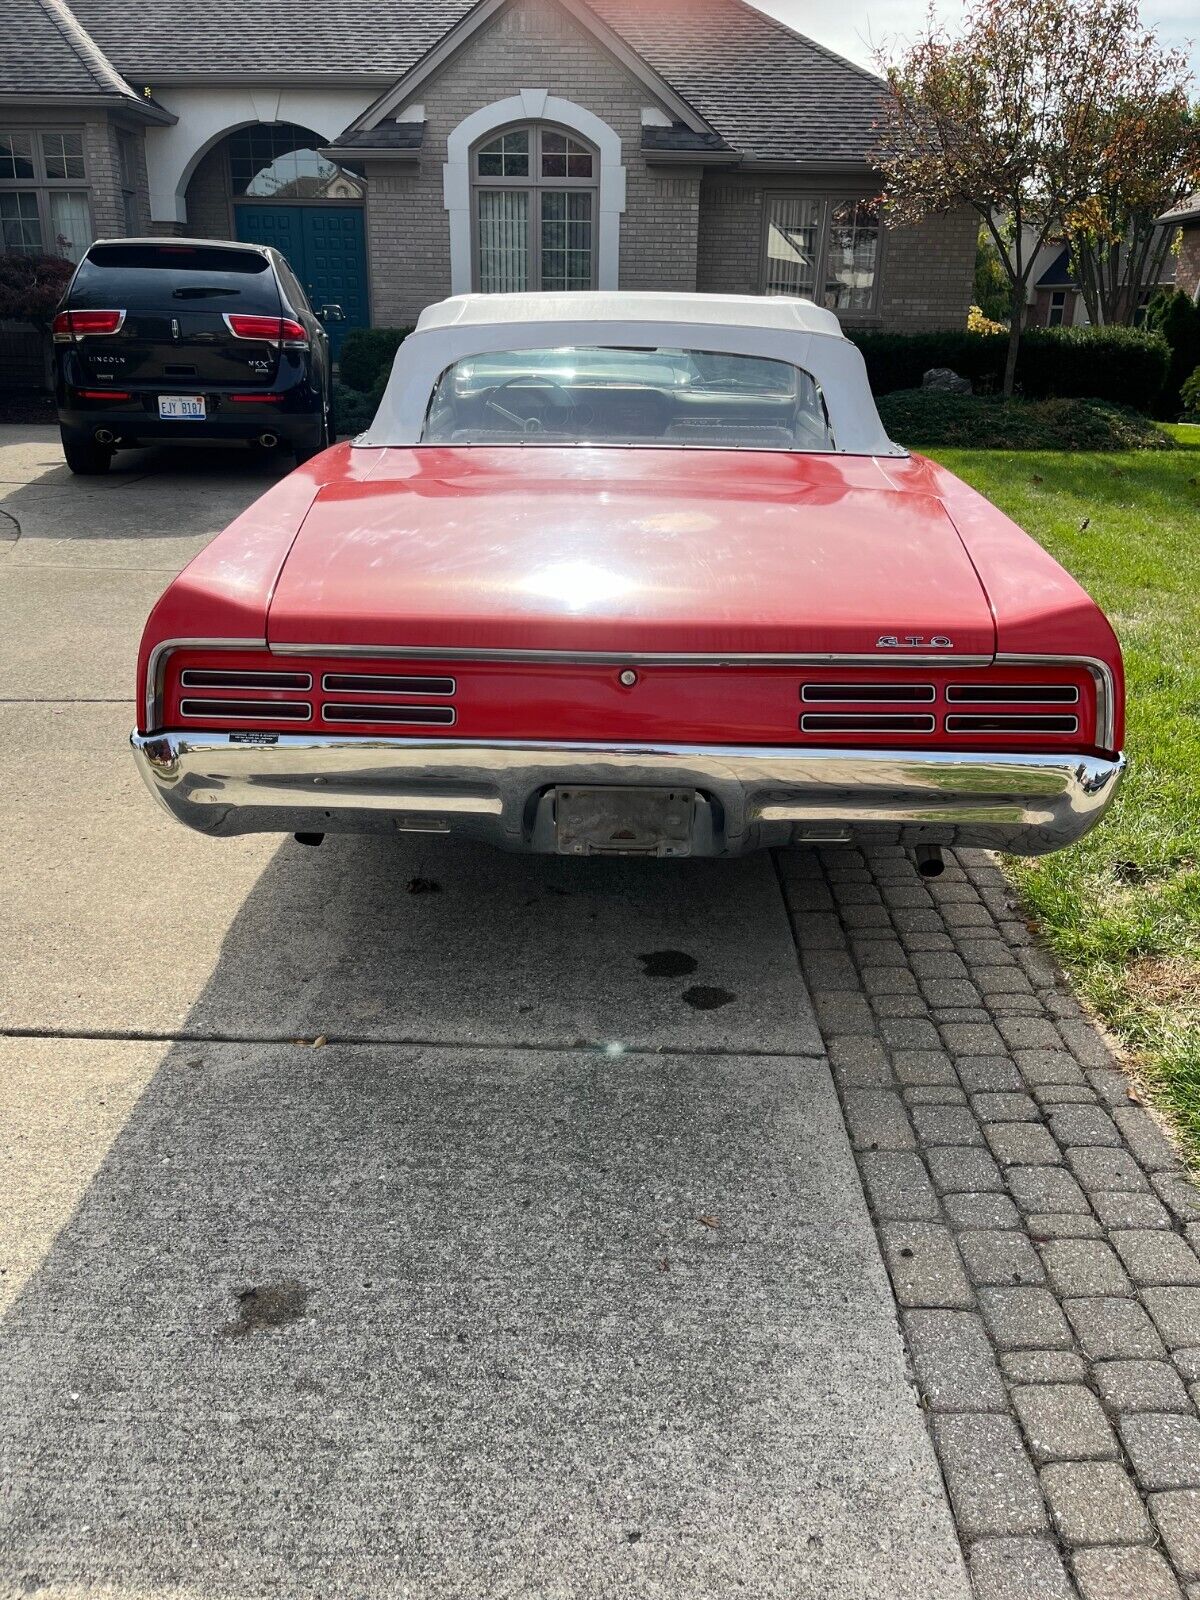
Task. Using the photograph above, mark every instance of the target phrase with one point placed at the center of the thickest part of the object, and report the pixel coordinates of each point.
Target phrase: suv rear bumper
(747, 797)
(231, 423)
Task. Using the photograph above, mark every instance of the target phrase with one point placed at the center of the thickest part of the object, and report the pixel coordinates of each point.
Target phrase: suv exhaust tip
(105, 436)
(268, 440)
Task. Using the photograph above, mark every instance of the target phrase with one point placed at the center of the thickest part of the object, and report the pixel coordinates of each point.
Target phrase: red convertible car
(630, 574)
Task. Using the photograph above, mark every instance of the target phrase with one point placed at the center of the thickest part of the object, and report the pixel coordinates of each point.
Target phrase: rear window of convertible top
(608, 395)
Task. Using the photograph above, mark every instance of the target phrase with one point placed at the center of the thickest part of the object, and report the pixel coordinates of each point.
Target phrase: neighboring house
(1187, 263)
(1055, 300)
(403, 152)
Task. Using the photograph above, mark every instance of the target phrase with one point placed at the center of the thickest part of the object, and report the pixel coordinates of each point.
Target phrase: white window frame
(41, 186)
(827, 201)
(533, 105)
(535, 186)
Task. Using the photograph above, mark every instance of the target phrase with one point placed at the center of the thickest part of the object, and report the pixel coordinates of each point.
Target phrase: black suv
(189, 339)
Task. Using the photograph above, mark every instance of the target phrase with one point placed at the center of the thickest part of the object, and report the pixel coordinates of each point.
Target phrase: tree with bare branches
(1010, 116)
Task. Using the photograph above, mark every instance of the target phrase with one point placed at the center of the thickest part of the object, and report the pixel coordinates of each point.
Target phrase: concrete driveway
(779, 1226)
(550, 1275)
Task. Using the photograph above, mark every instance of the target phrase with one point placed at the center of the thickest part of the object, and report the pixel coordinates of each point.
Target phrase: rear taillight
(105, 394)
(70, 325)
(267, 330)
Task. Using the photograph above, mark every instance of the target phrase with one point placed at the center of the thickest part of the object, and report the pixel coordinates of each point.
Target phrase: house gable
(485, 15)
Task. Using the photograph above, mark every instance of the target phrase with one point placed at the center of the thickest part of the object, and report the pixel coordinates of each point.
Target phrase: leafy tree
(992, 293)
(31, 286)
(1147, 162)
(1007, 117)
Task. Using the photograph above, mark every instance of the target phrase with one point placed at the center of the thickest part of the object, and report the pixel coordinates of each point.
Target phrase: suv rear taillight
(70, 325)
(267, 330)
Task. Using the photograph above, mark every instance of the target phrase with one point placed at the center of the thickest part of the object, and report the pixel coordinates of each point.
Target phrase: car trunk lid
(631, 552)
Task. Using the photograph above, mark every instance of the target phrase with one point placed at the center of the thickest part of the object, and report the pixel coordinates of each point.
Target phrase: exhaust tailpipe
(105, 436)
(929, 860)
(268, 440)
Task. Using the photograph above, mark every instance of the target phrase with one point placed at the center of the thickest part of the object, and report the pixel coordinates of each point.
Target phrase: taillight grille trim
(373, 711)
(1010, 722)
(1013, 694)
(246, 710)
(242, 678)
(858, 693)
(867, 722)
(384, 683)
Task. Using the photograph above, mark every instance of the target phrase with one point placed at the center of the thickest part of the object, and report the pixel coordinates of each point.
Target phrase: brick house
(1187, 263)
(401, 153)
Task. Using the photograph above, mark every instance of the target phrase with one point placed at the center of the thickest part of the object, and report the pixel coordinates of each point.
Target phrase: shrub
(367, 355)
(1176, 316)
(32, 286)
(977, 322)
(353, 410)
(1190, 395)
(929, 419)
(1123, 365)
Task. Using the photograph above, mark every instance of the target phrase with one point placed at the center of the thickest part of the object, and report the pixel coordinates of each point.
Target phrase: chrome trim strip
(749, 797)
(868, 722)
(156, 667)
(1014, 721)
(446, 718)
(1106, 712)
(633, 658)
(388, 684)
(242, 673)
(262, 710)
(915, 694)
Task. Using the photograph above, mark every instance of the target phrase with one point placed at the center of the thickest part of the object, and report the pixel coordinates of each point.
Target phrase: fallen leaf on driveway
(709, 1222)
(319, 1041)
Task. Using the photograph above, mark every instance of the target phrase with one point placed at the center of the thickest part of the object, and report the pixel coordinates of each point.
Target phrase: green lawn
(1121, 909)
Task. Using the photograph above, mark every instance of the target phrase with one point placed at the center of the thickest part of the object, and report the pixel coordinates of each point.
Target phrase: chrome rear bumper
(748, 797)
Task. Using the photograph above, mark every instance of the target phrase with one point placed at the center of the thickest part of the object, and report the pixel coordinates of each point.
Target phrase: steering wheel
(562, 399)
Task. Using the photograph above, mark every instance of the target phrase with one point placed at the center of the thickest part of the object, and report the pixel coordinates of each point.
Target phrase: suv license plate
(181, 407)
(624, 822)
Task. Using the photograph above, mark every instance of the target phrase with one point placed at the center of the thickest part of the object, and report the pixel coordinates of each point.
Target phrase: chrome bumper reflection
(748, 797)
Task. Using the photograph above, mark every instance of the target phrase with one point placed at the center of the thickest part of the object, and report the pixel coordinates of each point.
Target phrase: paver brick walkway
(1040, 1231)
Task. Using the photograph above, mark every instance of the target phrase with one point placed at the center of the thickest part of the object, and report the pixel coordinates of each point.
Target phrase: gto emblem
(913, 641)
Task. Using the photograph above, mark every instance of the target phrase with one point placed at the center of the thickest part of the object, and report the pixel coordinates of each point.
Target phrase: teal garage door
(326, 248)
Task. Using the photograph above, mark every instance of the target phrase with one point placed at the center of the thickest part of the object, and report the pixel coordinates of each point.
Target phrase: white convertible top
(771, 326)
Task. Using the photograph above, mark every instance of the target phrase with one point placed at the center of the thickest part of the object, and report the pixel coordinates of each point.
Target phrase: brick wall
(208, 196)
(531, 45)
(926, 272)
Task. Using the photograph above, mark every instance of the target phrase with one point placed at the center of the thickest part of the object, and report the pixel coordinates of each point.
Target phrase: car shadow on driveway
(462, 1318)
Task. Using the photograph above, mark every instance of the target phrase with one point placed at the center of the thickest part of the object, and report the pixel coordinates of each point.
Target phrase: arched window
(534, 204)
(280, 161)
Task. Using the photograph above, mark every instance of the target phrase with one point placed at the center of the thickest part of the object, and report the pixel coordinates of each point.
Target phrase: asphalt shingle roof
(45, 51)
(309, 38)
(387, 136)
(769, 93)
